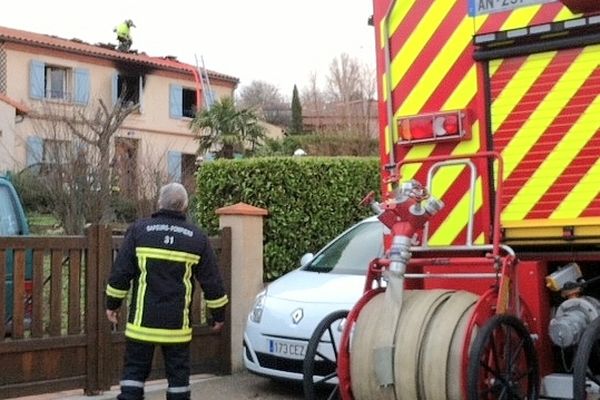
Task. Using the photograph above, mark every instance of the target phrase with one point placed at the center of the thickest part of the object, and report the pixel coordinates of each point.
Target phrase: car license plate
(288, 349)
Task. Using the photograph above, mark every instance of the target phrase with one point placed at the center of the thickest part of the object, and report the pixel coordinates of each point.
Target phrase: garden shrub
(33, 193)
(310, 200)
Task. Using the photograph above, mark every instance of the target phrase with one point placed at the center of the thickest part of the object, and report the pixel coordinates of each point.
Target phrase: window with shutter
(82, 86)
(175, 101)
(48, 81)
(174, 165)
(182, 102)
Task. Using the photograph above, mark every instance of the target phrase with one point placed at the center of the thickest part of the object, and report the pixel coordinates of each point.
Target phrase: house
(41, 72)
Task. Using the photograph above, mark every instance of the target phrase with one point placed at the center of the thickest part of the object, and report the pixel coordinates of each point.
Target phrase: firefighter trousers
(138, 365)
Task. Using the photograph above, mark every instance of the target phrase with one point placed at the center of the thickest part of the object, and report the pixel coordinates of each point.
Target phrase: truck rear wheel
(503, 363)
(321, 358)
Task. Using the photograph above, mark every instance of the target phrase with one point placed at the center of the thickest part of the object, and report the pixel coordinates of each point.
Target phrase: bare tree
(152, 177)
(259, 94)
(75, 164)
(343, 79)
(368, 90)
(368, 82)
(350, 90)
(313, 101)
(266, 100)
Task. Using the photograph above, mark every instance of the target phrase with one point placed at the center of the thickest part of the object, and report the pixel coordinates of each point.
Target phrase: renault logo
(297, 316)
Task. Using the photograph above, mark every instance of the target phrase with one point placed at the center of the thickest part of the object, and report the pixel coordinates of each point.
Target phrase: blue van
(13, 223)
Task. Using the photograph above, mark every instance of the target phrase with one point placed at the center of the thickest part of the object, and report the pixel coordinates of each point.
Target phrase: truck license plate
(288, 349)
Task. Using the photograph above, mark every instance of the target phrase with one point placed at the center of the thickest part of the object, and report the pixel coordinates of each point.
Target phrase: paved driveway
(239, 386)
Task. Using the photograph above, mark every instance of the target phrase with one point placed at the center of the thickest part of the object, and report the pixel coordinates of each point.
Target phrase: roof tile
(101, 51)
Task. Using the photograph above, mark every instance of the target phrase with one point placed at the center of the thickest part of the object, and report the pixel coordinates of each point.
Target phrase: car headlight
(259, 305)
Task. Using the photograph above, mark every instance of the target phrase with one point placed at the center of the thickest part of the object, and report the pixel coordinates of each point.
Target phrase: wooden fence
(58, 337)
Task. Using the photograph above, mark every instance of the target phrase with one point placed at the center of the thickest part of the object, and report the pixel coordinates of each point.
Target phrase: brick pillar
(246, 223)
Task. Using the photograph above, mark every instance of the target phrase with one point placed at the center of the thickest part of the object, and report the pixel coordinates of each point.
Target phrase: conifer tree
(296, 123)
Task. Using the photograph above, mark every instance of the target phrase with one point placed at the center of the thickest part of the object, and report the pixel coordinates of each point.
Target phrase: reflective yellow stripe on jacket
(135, 330)
(141, 291)
(157, 335)
(116, 293)
(220, 302)
(189, 260)
(168, 255)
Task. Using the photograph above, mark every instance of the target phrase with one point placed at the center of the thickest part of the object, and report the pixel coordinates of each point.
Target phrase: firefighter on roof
(159, 258)
(123, 31)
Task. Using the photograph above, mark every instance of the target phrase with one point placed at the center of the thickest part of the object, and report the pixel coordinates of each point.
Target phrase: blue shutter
(35, 150)
(115, 88)
(82, 86)
(174, 165)
(176, 101)
(36, 79)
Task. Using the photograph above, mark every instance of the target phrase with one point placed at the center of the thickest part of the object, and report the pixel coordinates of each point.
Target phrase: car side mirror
(305, 259)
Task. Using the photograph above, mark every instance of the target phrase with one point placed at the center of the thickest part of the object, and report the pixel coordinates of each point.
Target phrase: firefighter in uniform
(123, 31)
(159, 258)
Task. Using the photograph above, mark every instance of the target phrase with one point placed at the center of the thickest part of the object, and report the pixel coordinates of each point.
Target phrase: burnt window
(189, 103)
(129, 88)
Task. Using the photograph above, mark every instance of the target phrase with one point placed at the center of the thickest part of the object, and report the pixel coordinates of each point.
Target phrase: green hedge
(310, 200)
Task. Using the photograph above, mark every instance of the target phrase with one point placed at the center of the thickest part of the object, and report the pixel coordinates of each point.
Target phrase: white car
(286, 313)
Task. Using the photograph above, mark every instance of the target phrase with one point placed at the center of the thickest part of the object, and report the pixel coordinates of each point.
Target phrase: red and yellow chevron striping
(548, 126)
(432, 69)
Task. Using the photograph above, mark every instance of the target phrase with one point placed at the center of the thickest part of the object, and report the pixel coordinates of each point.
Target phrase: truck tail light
(432, 127)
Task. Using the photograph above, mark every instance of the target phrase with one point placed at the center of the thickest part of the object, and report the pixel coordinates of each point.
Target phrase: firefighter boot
(138, 364)
(177, 366)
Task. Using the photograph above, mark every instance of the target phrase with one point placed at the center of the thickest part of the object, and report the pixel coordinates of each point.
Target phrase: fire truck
(489, 146)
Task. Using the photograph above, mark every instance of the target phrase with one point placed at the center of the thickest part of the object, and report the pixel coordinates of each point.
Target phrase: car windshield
(352, 252)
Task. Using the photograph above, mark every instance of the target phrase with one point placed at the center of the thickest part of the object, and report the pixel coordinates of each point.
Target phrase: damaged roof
(104, 51)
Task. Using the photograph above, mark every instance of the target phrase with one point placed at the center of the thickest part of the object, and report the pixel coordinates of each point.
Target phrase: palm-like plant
(225, 129)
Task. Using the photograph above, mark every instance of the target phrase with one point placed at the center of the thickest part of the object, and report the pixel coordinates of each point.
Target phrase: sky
(278, 41)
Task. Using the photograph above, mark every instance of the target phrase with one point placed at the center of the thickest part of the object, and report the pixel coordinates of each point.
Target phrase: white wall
(7, 137)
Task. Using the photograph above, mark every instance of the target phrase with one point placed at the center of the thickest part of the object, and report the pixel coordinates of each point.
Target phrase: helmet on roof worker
(130, 23)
